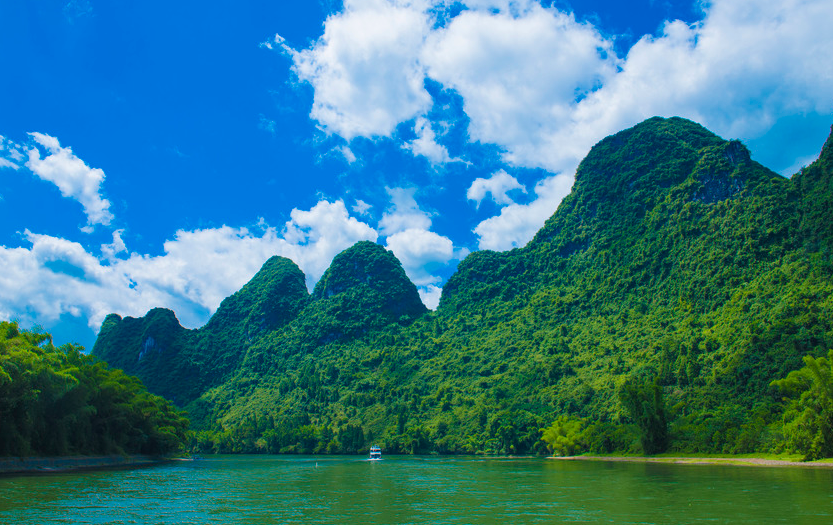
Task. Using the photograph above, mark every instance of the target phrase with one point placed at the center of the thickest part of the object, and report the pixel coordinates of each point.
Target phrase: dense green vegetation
(652, 312)
(808, 420)
(59, 401)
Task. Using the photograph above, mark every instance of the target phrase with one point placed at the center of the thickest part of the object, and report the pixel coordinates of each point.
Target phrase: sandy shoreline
(10, 466)
(744, 462)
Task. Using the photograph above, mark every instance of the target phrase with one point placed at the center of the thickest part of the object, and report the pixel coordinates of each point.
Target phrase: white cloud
(430, 296)
(498, 186)
(533, 81)
(421, 252)
(361, 207)
(364, 68)
(110, 251)
(425, 144)
(519, 73)
(739, 70)
(745, 65)
(347, 153)
(517, 224)
(403, 214)
(197, 270)
(72, 176)
(9, 154)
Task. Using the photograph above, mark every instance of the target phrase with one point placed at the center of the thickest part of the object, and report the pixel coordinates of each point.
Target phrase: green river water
(291, 489)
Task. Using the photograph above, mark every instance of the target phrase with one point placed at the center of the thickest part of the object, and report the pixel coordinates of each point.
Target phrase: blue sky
(157, 153)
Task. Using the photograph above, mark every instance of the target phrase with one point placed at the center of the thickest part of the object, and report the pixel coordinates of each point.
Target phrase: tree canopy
(57, 401)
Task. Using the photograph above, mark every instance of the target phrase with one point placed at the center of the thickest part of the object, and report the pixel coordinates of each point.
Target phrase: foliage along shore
(57, 401)
(663, 306)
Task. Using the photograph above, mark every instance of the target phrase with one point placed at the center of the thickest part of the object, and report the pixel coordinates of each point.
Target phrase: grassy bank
(749, 460)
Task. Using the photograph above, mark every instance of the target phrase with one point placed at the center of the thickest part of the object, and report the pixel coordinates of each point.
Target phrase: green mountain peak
(271, 299)
(368, 268)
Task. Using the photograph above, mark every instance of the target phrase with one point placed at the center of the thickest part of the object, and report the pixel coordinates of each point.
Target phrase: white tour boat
(375, 452)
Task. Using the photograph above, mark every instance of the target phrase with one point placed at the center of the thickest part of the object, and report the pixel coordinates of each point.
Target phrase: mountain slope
(815, 185)
(676, 261)
(180, 364)
(365, 288)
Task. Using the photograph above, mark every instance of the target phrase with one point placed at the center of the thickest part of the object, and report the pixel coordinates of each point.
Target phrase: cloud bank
(545, 87)
(198, 269)
(52, 277)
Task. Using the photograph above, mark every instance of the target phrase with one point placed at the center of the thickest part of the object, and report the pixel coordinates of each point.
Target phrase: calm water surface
(280, 489)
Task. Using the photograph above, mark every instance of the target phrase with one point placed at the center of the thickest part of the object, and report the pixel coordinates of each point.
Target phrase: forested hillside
(652, 311)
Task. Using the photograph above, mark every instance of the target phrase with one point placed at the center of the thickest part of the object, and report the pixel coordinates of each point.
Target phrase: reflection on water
(290, 489)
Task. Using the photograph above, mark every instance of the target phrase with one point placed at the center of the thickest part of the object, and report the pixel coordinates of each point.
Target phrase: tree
(646, 407)
(59, 401)
(562, 437)
(808, 417)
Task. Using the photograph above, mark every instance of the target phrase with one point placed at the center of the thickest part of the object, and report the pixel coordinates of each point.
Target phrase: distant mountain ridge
(365, 281)
(676, 259)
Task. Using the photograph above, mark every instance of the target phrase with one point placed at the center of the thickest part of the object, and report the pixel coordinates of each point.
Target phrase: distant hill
(676, 261)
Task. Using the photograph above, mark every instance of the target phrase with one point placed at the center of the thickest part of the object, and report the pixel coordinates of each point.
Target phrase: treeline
(509, 432)
(802, 424)
(57, 401)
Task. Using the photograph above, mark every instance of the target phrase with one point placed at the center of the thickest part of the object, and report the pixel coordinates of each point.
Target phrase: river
(256, 490)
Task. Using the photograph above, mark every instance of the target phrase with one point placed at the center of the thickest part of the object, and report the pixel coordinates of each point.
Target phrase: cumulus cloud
(737, 71)
(498, 186)
(517, 223)
(365, 68)
(110, 251)
(520, 73)
(430, 296)
(361, 207)
(197, 270)
(425, 144)
(312, 238)
(72, 176)
(546, 87)
(403, 213)
(421, 252)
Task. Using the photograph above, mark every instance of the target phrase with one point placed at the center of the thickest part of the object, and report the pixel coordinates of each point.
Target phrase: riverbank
(9, 466)
(703, 460)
